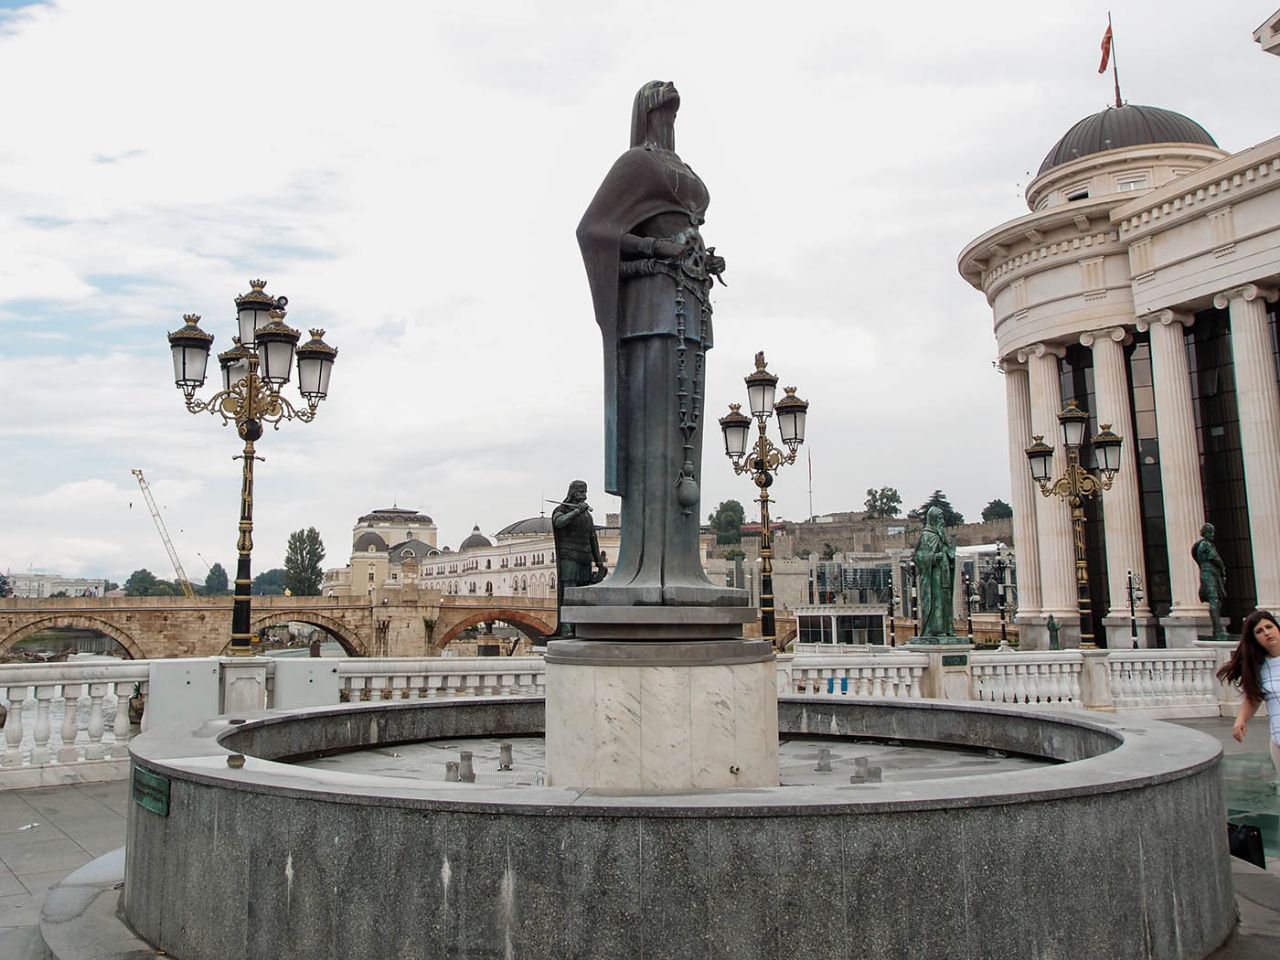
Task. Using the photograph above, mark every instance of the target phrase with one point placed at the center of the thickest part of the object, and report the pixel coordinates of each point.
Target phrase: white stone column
(1122, 510)
(1258, 398)
(1179, 472)
(1026, 557)
(1053, 516)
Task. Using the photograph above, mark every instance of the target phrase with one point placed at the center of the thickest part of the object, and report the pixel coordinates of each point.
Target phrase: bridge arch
(79, 621)
(348, 638)
(788, 636)
(533, 627)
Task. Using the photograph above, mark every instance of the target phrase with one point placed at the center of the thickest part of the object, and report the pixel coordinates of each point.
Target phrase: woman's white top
(1270, 677)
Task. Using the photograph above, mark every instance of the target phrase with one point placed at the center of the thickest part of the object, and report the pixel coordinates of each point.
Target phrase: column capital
(1011, 364)
(1165, 317)
(1040, 350)
(1248, 292)
(1118, 334)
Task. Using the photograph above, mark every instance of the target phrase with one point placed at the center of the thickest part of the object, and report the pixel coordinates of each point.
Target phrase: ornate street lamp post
(999, 566)
(1134, 586)
(253, 372)
(763, 461)
(890, 599)
(1075, 486)
(969, 598)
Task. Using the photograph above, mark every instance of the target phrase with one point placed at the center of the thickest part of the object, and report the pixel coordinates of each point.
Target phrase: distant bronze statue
(990, 594)
(577, 547)
(935, 559)
(1053, 627)
(1213, 578)
(651, 279)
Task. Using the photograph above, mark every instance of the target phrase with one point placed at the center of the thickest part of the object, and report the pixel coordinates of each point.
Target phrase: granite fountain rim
(1147, 752)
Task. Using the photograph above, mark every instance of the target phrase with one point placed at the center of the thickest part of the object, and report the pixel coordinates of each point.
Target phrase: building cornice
(980, 260)
(1227, 181)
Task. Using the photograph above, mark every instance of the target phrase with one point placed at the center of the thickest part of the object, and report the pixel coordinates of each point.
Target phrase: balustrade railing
(858, 675)
(433, 677)
(69, 712)
(72, 713)
(1049, 678)
(1158, 678)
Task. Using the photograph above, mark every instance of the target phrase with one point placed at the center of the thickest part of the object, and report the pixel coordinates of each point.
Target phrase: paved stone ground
(47, 833)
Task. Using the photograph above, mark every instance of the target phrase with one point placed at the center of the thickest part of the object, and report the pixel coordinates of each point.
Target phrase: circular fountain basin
(1115, 849)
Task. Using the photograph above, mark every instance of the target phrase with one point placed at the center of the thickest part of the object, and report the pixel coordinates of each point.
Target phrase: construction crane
(183, 582)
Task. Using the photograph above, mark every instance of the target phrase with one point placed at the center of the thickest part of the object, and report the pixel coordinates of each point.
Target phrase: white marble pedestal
(672, 716)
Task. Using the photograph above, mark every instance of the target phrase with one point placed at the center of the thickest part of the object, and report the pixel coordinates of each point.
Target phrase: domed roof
(395, 515)
(531, 527)
(1132, 125)
(477, 539)
(369, 539)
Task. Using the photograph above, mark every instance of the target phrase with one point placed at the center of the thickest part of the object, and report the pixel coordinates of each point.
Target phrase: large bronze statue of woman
(935, 559)
(651, 278)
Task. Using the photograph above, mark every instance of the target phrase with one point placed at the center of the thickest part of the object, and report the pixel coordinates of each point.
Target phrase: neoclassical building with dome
(1142, 285)
(395, 547)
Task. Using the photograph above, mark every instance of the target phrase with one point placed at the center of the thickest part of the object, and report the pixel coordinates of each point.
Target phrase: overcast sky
(411, 175)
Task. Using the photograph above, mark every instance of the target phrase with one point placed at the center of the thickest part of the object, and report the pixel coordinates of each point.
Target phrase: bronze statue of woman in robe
(935, 559)
(651, 278)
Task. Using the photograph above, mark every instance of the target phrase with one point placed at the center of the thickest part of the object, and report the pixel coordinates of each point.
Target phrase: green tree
(6, 588)
(216, 583)
(141, 583)
(57, 594)
(884, 502)
(828, 552)
(270, 583)
(302, 572)
(950, 516)
(996, 510)
(727, 521)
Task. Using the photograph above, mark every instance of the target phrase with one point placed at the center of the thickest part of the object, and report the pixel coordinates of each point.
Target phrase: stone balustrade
(1048, 678)
(434, 677)
(1162, 678)
(47, 743)
(69, 714)
(896, 675)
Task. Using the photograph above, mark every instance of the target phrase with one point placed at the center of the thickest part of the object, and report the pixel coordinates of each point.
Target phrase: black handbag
(1245, 842)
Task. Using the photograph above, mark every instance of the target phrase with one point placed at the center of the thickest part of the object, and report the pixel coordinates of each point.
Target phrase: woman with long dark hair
(1255, 668)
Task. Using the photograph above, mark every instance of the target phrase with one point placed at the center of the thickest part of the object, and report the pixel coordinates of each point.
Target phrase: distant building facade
(1143, 285)
(37, 585)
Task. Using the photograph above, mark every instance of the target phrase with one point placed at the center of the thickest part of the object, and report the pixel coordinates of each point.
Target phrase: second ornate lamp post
(253, 373)
(1075, 486)
(763, 460)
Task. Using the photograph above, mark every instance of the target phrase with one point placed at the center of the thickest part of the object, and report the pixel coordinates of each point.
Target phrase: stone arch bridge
(420, 624)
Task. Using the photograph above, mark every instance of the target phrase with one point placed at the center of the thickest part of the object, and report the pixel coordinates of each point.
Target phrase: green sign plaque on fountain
(150, 790)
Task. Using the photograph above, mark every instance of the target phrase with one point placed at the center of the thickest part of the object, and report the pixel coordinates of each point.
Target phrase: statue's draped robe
(935, 569)
(641, 332)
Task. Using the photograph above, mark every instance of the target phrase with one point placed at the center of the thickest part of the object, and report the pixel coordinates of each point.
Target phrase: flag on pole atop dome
(1109, 55)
